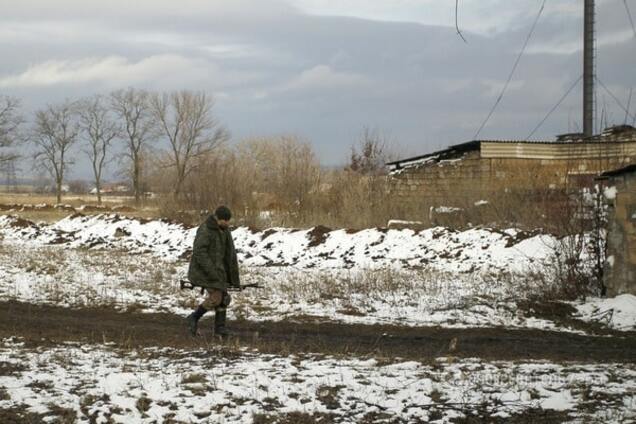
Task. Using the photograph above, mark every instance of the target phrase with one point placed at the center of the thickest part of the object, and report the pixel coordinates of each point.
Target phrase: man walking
(214, 267)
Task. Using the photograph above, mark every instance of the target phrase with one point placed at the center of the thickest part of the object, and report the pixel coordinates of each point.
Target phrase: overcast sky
(324, 69)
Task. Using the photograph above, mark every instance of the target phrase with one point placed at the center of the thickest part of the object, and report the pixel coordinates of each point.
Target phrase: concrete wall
(620, 269)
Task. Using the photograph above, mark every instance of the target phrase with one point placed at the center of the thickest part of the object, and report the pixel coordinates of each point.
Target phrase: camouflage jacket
(214, 264)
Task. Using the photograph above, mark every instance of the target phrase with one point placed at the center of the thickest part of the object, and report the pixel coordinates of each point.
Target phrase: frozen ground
(477, 250)
(104, 260)
(437, 277)
(97, 384)
(618, 312)
(85, 278)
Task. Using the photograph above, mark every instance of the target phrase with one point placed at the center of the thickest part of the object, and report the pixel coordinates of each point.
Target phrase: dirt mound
(93, 208)
(123, 208)
(521, 236)
(267, 233)
(318, 235)
(18, 222)
(8, 206)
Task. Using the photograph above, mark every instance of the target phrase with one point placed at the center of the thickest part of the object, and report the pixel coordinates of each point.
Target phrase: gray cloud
(276, 68)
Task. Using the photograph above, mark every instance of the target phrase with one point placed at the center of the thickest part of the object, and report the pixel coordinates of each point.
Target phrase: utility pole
(8, 169)
(588, 68)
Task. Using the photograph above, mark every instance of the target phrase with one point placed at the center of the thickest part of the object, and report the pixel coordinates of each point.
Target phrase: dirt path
(42, 325)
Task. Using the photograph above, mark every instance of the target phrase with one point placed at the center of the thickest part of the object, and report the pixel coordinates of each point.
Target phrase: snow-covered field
(435, 277)
(158, 385)
(477, 250)
(80, 278)
(431, 277)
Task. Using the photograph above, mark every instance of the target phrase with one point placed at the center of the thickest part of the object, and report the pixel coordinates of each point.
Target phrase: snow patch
(475, 250)
(158, 385)
(617, 312)
(610, 192)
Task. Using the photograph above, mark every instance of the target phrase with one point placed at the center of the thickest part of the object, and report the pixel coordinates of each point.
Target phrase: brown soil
(318, 235)
(42, 325)
(123, 208)
(92, 208)
(21, 223)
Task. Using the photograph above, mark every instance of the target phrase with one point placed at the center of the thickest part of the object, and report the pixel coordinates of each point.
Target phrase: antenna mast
(588, 68)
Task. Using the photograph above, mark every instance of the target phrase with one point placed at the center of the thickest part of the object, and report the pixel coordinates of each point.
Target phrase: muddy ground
(42, 324)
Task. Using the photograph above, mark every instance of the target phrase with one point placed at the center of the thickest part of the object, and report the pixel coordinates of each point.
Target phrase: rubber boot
(193, 320)
(219, 323)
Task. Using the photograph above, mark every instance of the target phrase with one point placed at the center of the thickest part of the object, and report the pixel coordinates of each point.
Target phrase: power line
(545, 118)
(629, 15)
(457, 21)
(618, 102)
(514, 67)
(629, 104)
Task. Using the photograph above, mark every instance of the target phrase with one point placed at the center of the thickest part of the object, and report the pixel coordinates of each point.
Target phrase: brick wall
(461, 182)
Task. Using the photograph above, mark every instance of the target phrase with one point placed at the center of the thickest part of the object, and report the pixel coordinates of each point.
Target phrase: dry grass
(148, 210)
(195, 378)
(49, 217)
(294, 418)
(71, 199)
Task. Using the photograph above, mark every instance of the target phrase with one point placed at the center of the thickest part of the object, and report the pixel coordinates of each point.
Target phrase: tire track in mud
(42, 325)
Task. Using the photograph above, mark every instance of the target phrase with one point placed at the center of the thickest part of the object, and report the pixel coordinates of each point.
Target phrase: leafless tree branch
(132, 108)
(11, 122)
(99, 129)
(187, 122)
(54, 132)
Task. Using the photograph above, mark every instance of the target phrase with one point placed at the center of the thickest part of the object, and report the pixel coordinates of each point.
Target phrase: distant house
(620, 268)
(64, 188)
(111, 189)
(480, 169)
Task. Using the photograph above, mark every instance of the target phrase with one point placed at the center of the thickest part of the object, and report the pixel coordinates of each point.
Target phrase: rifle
(185, 284)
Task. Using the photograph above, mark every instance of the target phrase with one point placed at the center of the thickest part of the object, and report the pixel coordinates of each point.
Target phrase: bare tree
(55, 130)
(373, 154)
(285, 167)
(100, 129)
(10, 123)
(298, 170)
(132, 107)
(186, 120)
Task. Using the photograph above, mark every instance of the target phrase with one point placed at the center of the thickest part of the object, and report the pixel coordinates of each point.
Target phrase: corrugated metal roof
(555, 151)
(574, 143)
(476, 144)
(455, 149)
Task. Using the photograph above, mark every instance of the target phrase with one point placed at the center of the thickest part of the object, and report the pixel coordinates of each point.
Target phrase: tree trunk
(136, 184)
(177, 189)
(58, 191)
(180, 180)
(99, 192)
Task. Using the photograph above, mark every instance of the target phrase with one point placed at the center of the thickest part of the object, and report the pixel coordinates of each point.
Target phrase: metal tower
(588, 68)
